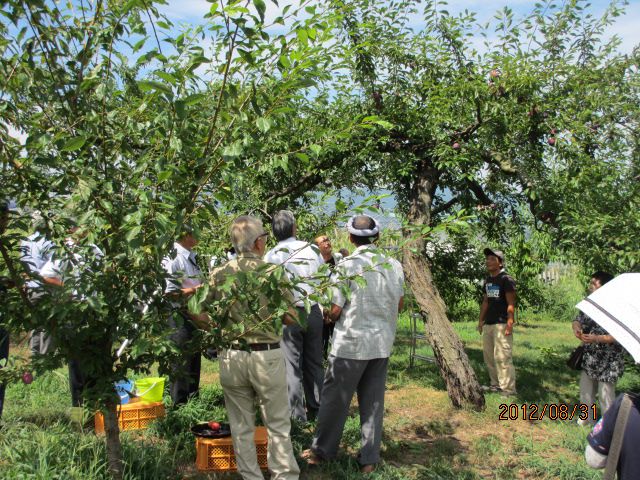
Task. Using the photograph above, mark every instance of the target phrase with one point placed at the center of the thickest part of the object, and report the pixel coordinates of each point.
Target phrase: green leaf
(246, 55)
(303, 37)
(284, 61)
(75, 143)
(181, 111)
(261, 8)
(139, 44)
(263, 124)
(148, 85)
(167, 77)
(193, 99)
(384, 124)
(196, 61)
(84, 189)
(316, 149)
(162, 176)
(133, 233)
(233, 150)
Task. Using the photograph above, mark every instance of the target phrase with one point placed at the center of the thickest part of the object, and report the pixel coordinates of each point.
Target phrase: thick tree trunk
(114, 448)
(462, 384)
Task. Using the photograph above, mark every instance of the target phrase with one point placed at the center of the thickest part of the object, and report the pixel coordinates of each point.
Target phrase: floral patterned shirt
(601, 361)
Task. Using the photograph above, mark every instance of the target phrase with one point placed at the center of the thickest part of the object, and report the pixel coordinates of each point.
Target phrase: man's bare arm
(511, 309)
(54, 281)
(291, 317)
(483, 312)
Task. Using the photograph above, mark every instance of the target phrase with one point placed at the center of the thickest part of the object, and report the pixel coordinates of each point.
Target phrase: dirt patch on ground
(207, 378)
(421, 426)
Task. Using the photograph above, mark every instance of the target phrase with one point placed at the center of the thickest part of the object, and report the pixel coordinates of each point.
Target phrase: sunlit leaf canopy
(135, 123)
(132, 131)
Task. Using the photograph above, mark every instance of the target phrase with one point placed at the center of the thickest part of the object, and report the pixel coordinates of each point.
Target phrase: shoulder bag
(575, 359)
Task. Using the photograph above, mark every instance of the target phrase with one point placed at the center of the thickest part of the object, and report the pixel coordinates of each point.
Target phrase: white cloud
(186, 10)
(627, 29)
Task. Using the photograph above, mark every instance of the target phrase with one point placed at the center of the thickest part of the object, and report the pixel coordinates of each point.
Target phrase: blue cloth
(601, 436)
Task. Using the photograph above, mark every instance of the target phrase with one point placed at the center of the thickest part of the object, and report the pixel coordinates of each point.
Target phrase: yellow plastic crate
(133, 416)
(216, 454)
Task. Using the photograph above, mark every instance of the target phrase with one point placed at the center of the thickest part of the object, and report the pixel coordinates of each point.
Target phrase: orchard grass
(424, 437)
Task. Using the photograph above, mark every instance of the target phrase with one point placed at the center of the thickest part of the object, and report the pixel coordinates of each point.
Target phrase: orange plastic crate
(133, 416)
(216, 454)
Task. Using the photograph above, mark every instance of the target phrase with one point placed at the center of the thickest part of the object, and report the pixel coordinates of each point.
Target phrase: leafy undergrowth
(424, 437)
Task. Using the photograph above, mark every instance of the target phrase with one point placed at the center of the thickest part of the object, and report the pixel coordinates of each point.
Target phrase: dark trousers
(344, 377)
(77, 382)
(85, 375)
(327, 332)
(302, 348)
(184, 379)
(4, 355)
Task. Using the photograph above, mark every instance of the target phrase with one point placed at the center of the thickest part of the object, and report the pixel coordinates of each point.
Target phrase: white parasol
(616, 307)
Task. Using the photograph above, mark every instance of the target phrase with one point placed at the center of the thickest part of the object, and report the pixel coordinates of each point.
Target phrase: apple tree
(116, 121)
(537, 113)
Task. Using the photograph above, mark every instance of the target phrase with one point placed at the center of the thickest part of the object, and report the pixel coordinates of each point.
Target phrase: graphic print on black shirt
(496, 289)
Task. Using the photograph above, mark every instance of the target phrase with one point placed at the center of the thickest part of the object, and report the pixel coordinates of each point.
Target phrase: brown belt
(259, 347)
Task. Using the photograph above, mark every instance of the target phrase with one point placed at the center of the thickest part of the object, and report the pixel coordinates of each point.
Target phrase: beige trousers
(497, 347)
(588, 388)
(247, 378)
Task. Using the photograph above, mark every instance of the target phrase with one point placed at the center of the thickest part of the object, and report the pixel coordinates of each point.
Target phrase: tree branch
(479, 192)
(445, 206)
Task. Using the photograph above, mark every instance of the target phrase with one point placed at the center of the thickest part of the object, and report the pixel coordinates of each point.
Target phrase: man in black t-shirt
(600, 440)
(496, 324)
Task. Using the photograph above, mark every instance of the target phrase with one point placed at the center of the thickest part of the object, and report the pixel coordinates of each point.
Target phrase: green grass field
(424, 437)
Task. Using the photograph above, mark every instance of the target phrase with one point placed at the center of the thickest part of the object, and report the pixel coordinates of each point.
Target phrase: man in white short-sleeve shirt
(185, 278)
(301, 343)
(36, 250)
(362, 341)
(68, 267)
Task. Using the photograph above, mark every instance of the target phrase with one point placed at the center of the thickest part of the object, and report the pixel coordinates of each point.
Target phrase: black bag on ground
(575, 359)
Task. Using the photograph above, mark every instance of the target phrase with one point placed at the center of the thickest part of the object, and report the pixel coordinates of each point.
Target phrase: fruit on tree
(27, 378)
(495, 73)
(551, 141)
(456, 146)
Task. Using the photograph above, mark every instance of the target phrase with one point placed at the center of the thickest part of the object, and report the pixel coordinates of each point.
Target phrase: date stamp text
(551, 411)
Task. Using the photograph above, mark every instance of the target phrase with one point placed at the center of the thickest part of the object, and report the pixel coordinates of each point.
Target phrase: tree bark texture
(462, 384)
(114, 448)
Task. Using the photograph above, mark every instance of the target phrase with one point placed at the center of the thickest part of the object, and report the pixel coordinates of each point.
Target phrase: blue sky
(192, 12)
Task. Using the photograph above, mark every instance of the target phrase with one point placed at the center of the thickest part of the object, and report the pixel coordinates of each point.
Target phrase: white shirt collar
(369, 246)
(180, 250)
(288, 240)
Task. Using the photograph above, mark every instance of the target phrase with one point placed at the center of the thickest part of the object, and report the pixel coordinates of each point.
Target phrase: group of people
(281, 369)
(277, 363)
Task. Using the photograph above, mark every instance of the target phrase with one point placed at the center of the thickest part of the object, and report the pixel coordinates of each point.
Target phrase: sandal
(310, 457)
(367, 469)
